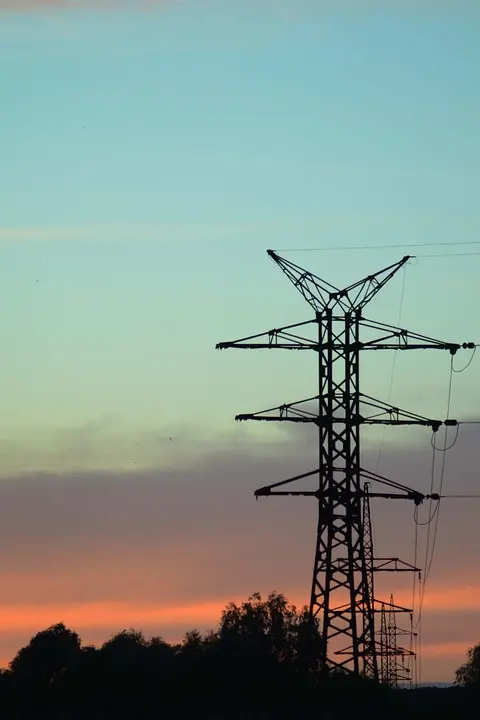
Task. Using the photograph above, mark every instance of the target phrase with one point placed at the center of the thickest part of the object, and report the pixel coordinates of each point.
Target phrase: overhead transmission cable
(390, 389)
(413, 634)
(392, 247)
(436, 512)
(394, 363)
(435, 516)
(455, 370)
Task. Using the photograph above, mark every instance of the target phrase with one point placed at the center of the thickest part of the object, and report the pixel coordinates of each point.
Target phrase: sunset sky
(150, 153)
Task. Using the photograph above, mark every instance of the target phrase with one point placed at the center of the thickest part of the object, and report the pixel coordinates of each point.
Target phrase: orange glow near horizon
(97, 621)
(466, 598)
(444, 650)
(102, 614)
(105, 614)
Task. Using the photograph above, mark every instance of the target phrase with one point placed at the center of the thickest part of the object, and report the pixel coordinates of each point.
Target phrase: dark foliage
(260, 663)
(468, 674)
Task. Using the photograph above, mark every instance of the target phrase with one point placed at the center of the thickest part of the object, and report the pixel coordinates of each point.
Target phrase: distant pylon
(394, 671)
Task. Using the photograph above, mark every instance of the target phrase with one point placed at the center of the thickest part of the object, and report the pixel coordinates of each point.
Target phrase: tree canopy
(468, 674)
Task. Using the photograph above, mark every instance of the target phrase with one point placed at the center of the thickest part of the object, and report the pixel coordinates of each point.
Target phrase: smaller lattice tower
(395, 665)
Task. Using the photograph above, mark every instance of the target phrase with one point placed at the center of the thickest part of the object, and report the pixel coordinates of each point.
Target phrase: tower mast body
(341, 597)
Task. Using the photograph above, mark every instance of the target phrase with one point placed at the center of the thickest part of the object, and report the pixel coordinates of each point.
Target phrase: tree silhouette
(260, 663)
(271, 626)
(468, 674)
(46, 656)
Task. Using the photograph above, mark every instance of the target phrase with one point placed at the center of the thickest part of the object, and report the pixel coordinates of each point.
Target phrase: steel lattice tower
(342, 600)
(393, 669)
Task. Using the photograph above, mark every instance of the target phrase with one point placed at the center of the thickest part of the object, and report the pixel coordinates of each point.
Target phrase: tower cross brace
(342, 602)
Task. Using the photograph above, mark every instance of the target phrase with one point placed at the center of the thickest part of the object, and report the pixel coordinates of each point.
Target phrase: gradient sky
(150, 153)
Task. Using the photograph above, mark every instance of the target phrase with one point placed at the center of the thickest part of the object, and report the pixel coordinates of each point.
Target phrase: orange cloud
(107, 614)
(462, 599)
(96, 621)
(100, 614)
(450, 650)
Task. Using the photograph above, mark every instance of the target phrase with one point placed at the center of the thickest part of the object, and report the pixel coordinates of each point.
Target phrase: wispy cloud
(289, 9)
(42, 5)
(125, 232)
(281, 225)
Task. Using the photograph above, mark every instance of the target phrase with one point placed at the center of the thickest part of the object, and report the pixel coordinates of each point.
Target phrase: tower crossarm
(296, 337)
(381, 413)
(321, 295)
(267, 492)
(403, 491)
(402, 652)
(284, 338)
(391, 607)
(291, 412)
(395, 338)
(372, 412)
(393, 565)
(270, 489)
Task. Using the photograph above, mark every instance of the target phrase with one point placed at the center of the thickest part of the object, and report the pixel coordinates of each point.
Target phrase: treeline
(260, 663)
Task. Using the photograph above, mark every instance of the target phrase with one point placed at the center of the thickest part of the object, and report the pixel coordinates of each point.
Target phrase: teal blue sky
(150, 155)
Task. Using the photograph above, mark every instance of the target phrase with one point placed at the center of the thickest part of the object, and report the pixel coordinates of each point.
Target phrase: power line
(468, 363)
(394, 364)
(460, 497)
(439, 255)
(385, 247)
(436, 514)
(413, 634)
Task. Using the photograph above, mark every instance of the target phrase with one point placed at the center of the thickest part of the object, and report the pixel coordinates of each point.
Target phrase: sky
(151, 153)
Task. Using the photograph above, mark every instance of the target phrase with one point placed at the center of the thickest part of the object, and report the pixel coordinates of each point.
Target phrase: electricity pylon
(393, 668)
(341, 599)
(386, 661)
